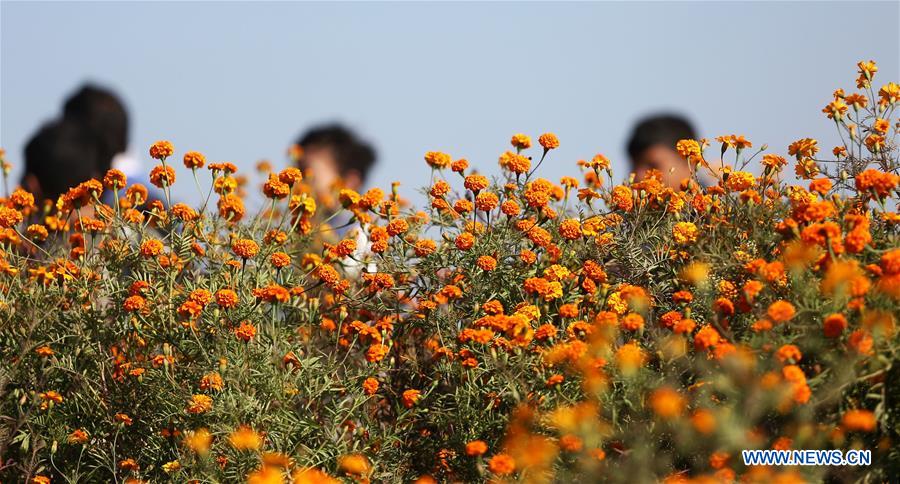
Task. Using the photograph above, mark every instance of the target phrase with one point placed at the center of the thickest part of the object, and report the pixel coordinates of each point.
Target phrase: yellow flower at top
(889, 93)
(161, 150)
(549, 141)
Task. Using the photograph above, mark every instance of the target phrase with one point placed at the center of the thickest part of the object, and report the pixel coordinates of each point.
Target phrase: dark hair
(103, 113)
(662, 129)
(350, 152)
(61, 155)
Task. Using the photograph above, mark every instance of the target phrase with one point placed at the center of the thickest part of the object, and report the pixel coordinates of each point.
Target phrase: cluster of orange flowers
(517, 329)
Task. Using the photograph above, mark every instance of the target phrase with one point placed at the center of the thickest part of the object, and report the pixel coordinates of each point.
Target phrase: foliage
(518, 329)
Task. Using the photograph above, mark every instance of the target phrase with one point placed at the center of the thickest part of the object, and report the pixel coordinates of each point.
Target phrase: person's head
(652, 147)
(332, 153)
(59, 156)
(104, 114)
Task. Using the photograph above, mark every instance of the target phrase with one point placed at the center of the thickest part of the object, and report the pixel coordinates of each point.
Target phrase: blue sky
(239, 81)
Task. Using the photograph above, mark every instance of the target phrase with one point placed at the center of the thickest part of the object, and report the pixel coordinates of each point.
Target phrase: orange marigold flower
(162, 176)
(212, 381)
(476, 183)
(410, 397)
(486, 201)
(354, 464)
(151, 248)
(226, 298)
(515, 162)
(781, 311)
(280, 260)
(476, 448)
(502, 464)
(161, 150)
(424, 247)
(245, 438)
(789, 354)
(438, 160)
(78, 436)
(370, 386)
(667, 403)
(199, 404)
(245, 248)
(231, 207)
(276, 189)
(293, 175)
(376, 353)
(549, 141)
(859, 421)
(194, 159)
(465, 241)
(520, 141)
(622, 198)
(486, 263)
(245, 331)
(570, 229)
(706, 338)
(114, 179)
(630, 357)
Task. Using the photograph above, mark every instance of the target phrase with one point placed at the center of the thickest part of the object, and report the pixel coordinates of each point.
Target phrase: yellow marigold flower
(245, 438)
(521, 141)
(438, 160)
(549, 141)
(171, 466)
(199, 404)
(161, 150)
(685, 233)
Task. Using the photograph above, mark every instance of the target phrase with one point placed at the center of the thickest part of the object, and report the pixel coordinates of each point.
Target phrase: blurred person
(104, 114)
(334, 157)
(652, 147)
(59, 156)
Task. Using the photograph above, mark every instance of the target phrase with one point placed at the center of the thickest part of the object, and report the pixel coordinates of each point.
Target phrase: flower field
(586, 329)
